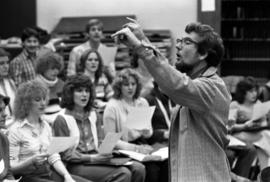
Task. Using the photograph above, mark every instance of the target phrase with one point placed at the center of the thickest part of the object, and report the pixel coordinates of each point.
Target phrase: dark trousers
(245, 156)
(54, 177)
(157, 171)
(134, 172)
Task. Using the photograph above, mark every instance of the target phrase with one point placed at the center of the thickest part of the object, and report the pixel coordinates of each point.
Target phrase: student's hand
(134, 134)
(100, 157)
(145, 133)
(251, 123)
(68, 178)
(39, 159)
(144, 149)
(166, 134)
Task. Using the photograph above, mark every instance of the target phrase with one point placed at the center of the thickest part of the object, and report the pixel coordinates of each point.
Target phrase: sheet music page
(109, 143)
(140, 117)
(60, 144)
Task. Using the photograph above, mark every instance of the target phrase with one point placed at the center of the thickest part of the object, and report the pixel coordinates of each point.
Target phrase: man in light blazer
(198, 132)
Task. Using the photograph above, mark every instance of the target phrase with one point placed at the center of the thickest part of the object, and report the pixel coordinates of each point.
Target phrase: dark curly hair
(243, 87)
(29, 32)
(211, 42)
(123, 77)
(83, 60)
(71, 84)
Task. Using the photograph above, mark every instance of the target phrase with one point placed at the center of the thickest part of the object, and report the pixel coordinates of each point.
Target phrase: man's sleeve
(197, 94)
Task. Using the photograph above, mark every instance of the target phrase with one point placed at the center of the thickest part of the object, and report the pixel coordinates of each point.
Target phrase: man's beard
(183, 67)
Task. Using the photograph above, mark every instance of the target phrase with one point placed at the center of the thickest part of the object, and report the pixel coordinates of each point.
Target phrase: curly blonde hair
(123, 77)
(25, 95)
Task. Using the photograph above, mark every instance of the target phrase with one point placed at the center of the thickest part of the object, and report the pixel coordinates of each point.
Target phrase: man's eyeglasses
(186, 41)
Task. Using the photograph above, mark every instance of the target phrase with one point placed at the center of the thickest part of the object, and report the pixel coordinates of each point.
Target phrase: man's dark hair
(43, 34)
(211, 42)
(29, 32)
(75, 82)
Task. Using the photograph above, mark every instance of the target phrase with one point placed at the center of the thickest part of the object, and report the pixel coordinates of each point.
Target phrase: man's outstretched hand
(131, 34)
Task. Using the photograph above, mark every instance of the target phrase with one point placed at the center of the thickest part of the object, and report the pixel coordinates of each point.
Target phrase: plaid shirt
(22, 68)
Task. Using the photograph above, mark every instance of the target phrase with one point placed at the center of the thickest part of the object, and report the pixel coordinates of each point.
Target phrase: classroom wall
(152, 14)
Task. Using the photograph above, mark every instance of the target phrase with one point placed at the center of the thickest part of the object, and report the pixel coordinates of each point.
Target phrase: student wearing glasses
(198, 132)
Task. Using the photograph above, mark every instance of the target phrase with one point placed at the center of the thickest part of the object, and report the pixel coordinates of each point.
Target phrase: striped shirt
(22, 68)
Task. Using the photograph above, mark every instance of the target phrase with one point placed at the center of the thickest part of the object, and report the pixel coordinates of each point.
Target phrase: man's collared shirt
(22, 68)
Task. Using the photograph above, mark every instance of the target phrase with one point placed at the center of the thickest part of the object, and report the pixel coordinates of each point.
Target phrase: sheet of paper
(162, 152)
(235, 141)
(134, 155)
(140, 117)
(2, 165)
(208, 5)
(260, 110)
(60, 144)
(108, 55)
(109, 143)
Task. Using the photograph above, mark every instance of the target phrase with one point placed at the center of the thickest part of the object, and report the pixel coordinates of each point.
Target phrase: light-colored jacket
(198, 136)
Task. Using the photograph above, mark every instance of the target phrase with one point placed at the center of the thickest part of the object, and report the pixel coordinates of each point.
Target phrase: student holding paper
(30, 137)
(79, 119)
(242, 126)
(127, 88)
(91, 65)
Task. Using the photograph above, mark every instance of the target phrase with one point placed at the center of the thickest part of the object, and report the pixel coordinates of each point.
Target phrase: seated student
(244, 157)
(30, 136)
(94, 31)
(5, 172)
(7, 85)
(91, 65)
(81, 120)
(240, 117)
(22, 67)
(161, 117)
(48, 68)
(127, 87)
